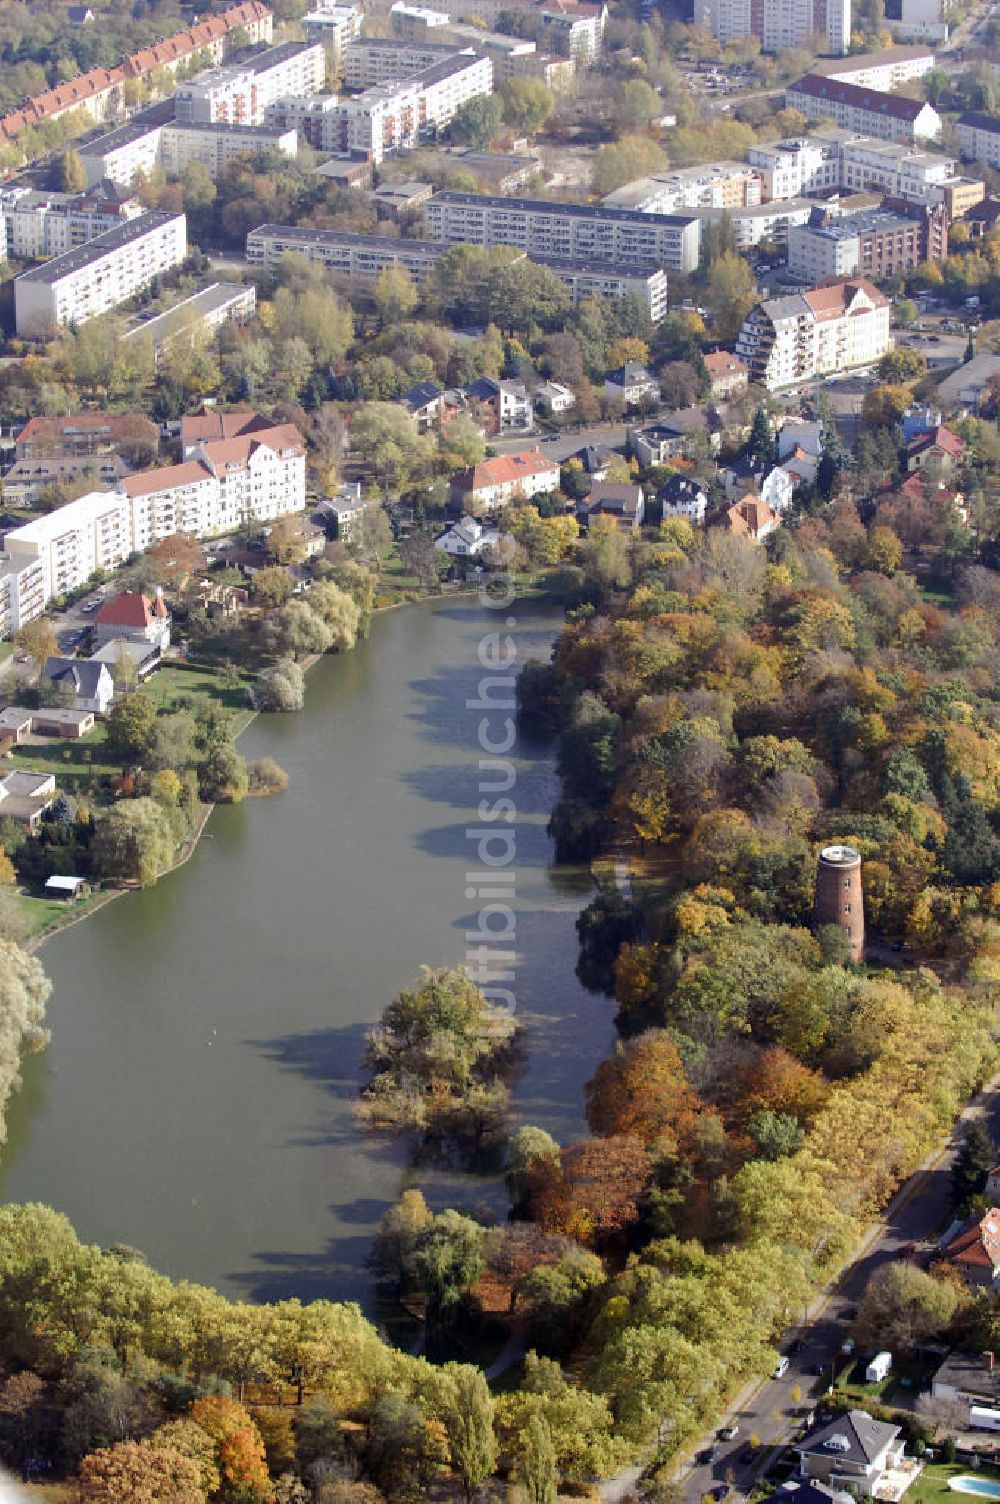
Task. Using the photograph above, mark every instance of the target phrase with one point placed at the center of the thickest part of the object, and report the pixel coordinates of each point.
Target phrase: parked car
(780, 1368)
(711, 1454)
(729, 1433)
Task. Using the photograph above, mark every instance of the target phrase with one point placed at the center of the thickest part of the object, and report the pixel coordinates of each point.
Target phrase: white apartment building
(217, 145)
(889, 117)
(393, 116)
(121, 154)
(34, 224)
(367, 256)
(979, 138)
(415, 21)
(796, 166)
(760, 222)
(917, 19)
(714, 185)
(898, 171)
(778, 23)
(788, 340)
(241, 94)
(69, 544)
(618, 237)
(98, 276)
(370, 61)
(333, 26)
(219, 303)
(883, 71)
(221, 484)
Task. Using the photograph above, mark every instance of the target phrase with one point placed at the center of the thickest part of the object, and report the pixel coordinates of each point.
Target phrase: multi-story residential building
(216, 145)
(979, 137)
(501, 406)
(890, 117)
(219, 303)
(84, 434)
(508, 477)
(882, 71)
(897, 171)
(241, 94)
(392, 116)
(333, 26)
(367, 256)
(100, 275)
(796, 166)
(252, 471)
(415, 21)
(26, 483)
(727, 375)
(618, 237)
(120, 154)
(36, 224)
(760, 222)
(715, 185)
(100, 92)
(94, 532)
(875, 244)
(792, 339)
(778, 23)
(370, 61)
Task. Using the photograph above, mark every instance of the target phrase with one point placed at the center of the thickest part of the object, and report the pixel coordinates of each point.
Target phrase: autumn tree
(642, 1091)
(38, 639)
(130, 724)
(904, 1307)
(142, 1474)
(536, 1465)
(239, 1448)
(470, 1430)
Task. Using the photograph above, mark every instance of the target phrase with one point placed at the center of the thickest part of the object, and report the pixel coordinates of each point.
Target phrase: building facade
(875, 244)
(840, 896)
(616, 237)
(715, 185)
(240, 95)
(788, 340)
(100, 275)
(889, 117)
(884, 71)
(393, 116)
(778, 23)
(215, 146)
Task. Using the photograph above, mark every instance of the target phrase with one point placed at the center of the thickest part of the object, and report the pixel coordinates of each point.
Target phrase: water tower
(839, 896)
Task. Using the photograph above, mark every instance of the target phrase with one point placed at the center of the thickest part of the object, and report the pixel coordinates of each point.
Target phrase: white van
(781, 1368)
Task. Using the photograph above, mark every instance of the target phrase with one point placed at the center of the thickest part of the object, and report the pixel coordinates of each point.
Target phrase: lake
(196, 1099)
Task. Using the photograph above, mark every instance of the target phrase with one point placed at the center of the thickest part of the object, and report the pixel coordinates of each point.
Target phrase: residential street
(921, 1211)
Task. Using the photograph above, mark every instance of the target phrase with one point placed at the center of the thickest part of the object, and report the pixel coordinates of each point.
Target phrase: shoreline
(191, 842)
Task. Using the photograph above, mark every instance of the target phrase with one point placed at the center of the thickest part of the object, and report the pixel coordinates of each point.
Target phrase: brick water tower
(839, 896)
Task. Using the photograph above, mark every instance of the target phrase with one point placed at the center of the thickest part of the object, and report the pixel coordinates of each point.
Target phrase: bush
(266, 777)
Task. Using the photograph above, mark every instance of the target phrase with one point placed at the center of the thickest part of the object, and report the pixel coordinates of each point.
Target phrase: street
(920, 1213)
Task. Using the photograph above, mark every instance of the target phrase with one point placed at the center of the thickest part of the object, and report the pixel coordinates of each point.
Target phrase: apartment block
(36, 224)
(99, 276)
(882, 71)
(215, 305)
(715, 185)
(875, 244)
(979, 138)
(370, 61)
(367, 256)
(392, 116)
(917, 19)
(828, 329)
(778, 23)
(216, 145)
(241, 94)
(621, 238)
(414, 22)
(760, 223)
(796, 166)
(252, 471)
(890, 117)
(333, 27)
(897, 171)
(121, 154)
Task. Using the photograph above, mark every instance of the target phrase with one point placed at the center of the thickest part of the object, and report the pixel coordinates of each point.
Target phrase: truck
(878, 1368)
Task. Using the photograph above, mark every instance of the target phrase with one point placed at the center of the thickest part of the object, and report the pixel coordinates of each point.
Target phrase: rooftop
(101, 245)
(486, 201)
(123, 135)
(854, 1437)
(858, 61)
(850, 226)
(815, 86)
(198, 306)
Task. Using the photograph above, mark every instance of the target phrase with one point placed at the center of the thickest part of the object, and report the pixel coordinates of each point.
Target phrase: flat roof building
(99, 275)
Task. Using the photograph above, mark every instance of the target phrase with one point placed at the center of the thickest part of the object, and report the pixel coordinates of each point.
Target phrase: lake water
(196, 1100)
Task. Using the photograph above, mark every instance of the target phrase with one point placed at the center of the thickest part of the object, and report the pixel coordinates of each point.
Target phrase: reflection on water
(196, 1099)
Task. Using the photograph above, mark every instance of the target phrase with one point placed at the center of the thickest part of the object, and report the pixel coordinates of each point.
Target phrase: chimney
(989, 1360)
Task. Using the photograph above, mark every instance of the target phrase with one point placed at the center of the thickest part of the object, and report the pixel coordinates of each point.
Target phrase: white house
(633, 383)
(495, 482)
(776, 489)
(25, 796)
(90, 682)
(135, 618)
(800, 433)
(554, 398)
(684, 497)
(467, 539)
(858, 1453)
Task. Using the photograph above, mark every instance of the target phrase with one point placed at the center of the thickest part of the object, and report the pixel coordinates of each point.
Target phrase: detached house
(727, 375)
(857, 1453)
(620, 500)
(684, 497)
(975, 1252)
(90, 683)
(431, 406)
(504, 406)
(939, 446)
(135, 618)
(494, 483)
(750, 518)
(467, 539)
(633, 384)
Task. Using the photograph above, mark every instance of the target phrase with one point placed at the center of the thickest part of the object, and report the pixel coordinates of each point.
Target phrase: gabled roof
(505, 469)
(855, 1437)
(978, 1244)
(940, 437)
(895, 106)
(630, 374)
(83, 675)
(621, 498)
(189, 473)
(131, 609)
(212, 424)
(722, 363)
(421, 395)
(594, 457)
(681, 488)
(750, 517)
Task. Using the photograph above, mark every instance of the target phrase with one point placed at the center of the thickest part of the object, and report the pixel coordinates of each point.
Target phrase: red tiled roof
(749, 517)
(980, 1243)
(281, 437)
(505, 469)
(98, 81)
(131, 610)
(941, 438)
(211, 424)
(151, 481)
(833, 299)
(38, 429)
(722, 363)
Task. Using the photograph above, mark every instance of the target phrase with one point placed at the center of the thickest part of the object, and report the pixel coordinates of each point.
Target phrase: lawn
(932, 1485)
(175, 682)
(74, 761)
(49, 913)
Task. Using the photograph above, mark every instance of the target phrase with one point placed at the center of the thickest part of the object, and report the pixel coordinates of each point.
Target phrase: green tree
(527, 104)
(295, 631)
(762, 446)
(904, 1308)
(129, 726)
(338, 610)
(24, 991)
(395, 295)
(477, 121)
(72, 173)
(536, 1465)
(223, 776)
(470, 1429)
(973, 1163)
(134, 841)
(631, 157)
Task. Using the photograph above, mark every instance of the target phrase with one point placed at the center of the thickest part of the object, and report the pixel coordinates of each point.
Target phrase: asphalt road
(920, 1213)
